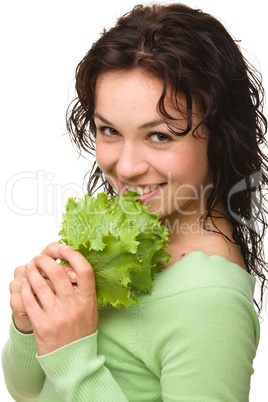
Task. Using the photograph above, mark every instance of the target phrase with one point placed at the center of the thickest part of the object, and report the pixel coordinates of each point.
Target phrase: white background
(41, 44)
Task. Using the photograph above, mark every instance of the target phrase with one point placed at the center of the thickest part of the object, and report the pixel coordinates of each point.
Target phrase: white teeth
(146, 190)
(131, 188)
(141, 190)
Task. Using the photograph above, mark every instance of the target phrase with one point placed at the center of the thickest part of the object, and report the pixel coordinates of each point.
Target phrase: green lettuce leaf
(123, 241)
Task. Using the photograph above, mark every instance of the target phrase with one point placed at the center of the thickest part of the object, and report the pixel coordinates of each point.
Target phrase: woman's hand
(61, 313)
(20, 316)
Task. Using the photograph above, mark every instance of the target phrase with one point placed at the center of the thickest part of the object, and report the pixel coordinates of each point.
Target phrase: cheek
(104, 157)
(189, 167)
(198, 167)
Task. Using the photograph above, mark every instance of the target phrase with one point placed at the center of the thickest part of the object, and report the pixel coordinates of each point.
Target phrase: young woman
(172, 110)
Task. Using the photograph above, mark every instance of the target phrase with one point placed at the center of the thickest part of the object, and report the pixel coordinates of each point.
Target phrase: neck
(190, 225)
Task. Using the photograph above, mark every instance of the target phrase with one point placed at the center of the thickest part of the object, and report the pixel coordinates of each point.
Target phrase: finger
(82, 268)
(70, 272)
(16, 303)
(56, 274)
(72, 276)
(53, 250)
(39, 286)
(15, 285)
(19, 273)
(29, 301)
(50, 284)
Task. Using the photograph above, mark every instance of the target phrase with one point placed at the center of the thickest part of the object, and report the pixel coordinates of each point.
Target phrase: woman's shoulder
(210, 243)
(212, 237)
(199, 270)
(204, 260)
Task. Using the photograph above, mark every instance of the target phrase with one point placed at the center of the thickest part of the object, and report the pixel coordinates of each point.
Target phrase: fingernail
(30, 264)
(72, 274)
(38, 255)
(24, 280)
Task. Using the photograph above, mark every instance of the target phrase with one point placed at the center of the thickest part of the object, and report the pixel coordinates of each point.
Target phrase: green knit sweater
(193, 339)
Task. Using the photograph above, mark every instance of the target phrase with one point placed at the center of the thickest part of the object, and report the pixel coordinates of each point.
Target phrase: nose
(132, 163)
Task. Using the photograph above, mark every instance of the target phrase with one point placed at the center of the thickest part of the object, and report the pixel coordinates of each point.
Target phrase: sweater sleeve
(79, 373)
(23, 374)
(204, 345)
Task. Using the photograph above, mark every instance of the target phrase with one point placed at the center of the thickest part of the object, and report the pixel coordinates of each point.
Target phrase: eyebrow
(150, 124)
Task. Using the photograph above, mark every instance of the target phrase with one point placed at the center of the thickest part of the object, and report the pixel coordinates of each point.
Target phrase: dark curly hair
(191, 52)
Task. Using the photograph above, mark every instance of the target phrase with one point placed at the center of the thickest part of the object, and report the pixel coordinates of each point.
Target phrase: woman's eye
(159, 137)
(108, 131)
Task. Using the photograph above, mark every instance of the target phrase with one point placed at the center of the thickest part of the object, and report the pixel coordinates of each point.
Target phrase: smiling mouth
(142, 190)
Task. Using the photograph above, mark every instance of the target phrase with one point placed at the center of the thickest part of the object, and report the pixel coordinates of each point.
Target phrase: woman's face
(136, 151)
